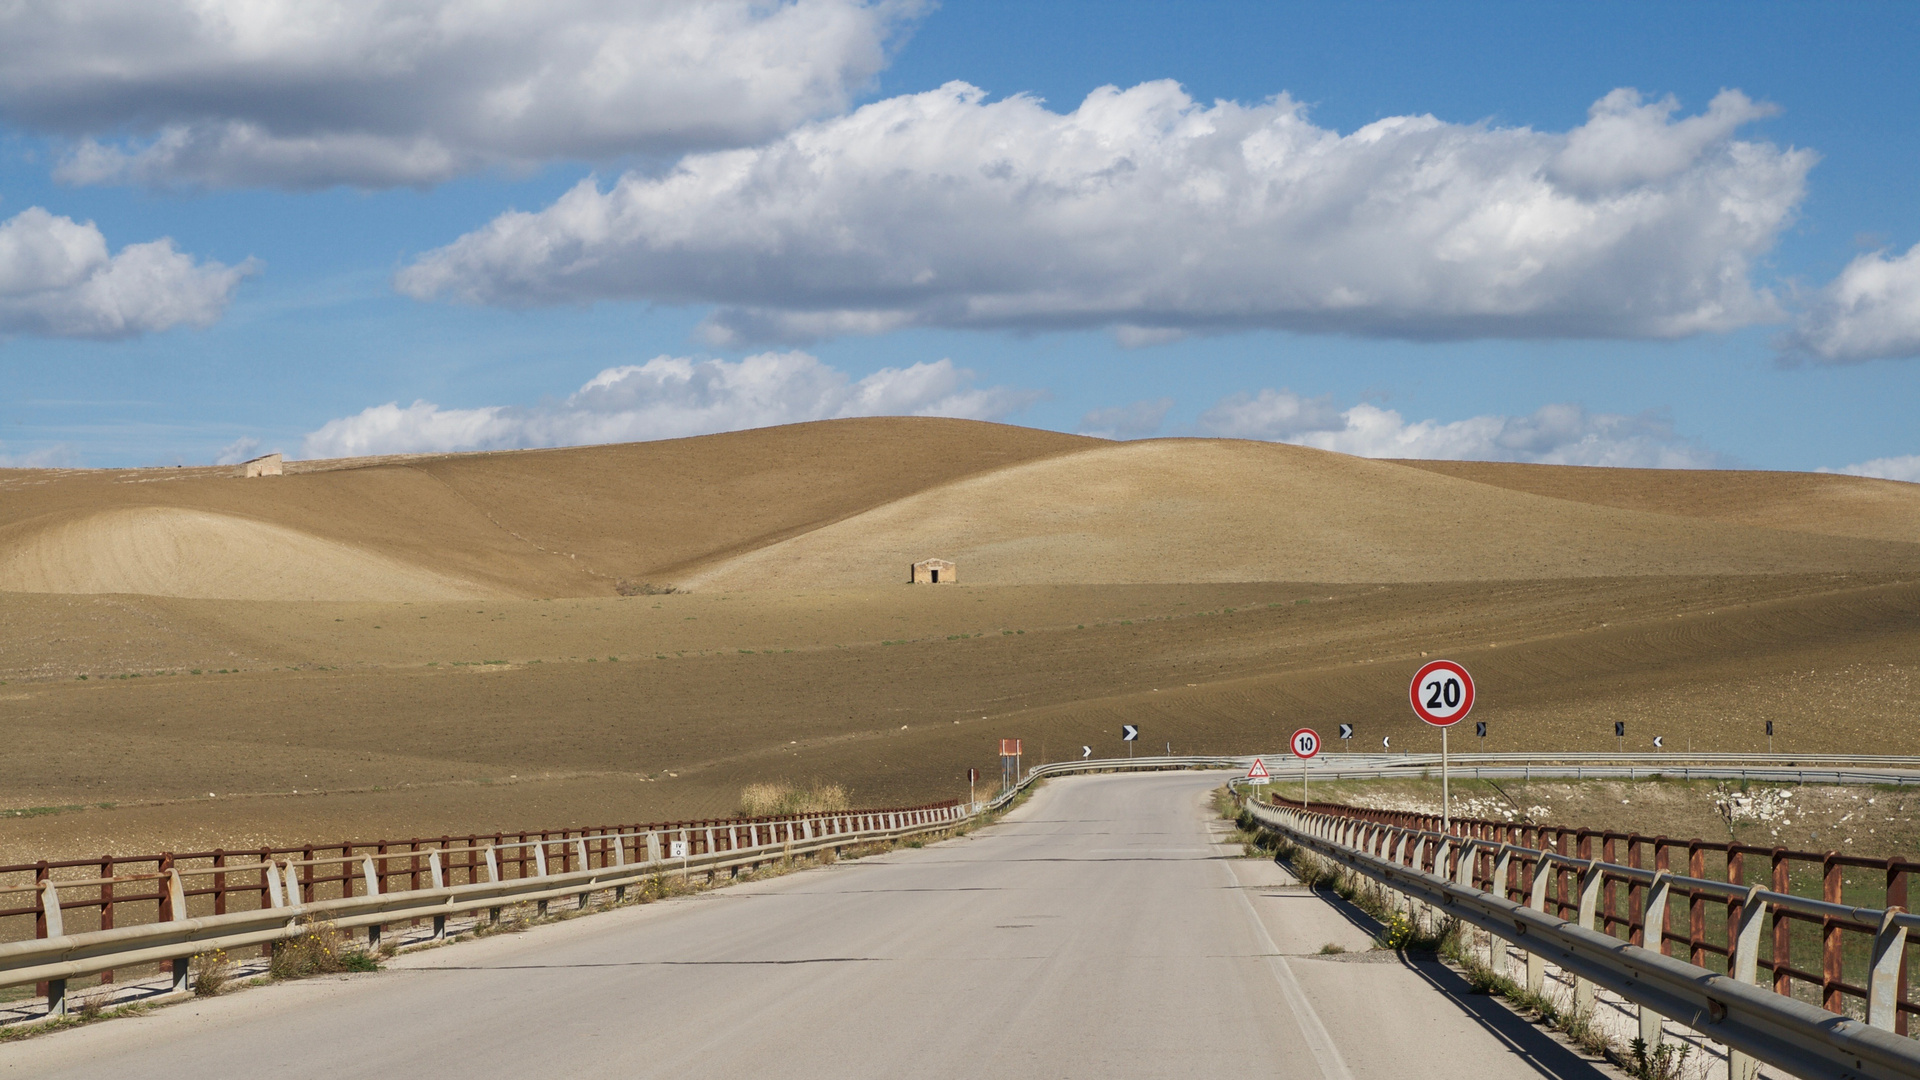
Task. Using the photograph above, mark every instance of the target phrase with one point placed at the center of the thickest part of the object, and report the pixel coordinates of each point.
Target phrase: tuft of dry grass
(324, 949)
(211, 972)
(779, 798)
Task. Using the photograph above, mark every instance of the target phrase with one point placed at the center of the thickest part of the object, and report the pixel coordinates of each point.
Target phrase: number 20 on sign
(1442, 695)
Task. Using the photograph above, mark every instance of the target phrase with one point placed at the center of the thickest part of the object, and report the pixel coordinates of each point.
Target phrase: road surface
(1101, 930)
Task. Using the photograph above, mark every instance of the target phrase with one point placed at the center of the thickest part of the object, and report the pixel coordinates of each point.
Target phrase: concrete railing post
(1537, 964)
(540, 858)
(56, 927)
(1883, 982)
(1496, 945)
(1745, 967)
(177, 894)
(370, 877)
(1591, 879)
(270, 875)
(294, 896)
(438, 874)
(1652, 1026)
(653, 847)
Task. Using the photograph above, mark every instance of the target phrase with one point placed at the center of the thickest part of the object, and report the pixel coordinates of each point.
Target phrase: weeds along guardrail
(1563, 897)
(134, 911)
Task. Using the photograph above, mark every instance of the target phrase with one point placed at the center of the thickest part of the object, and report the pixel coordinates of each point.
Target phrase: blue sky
(786, 216)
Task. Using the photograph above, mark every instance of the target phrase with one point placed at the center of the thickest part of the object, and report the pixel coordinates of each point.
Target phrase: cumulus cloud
(1905, 467)
(58, 279)
(1553, 435)
(1135, 421)
(374, 93)
(1154, 214)
(1870, 312)
(669, 397)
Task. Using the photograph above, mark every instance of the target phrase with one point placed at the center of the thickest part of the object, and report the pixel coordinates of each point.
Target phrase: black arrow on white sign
(1129, 732)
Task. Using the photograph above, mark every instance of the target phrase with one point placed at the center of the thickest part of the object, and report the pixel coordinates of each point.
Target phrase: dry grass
(780, 799)
(211, 972)
(323, 949)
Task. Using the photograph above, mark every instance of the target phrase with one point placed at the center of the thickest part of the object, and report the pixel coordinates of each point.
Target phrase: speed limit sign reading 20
(1442, 693)
(1306, 743)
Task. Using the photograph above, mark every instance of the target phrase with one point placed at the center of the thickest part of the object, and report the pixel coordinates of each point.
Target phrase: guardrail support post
(1744, 966)
(1653, 1030)
(56, 998)
(1883, 985)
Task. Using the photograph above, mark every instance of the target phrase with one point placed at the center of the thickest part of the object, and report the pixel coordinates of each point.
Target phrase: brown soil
(1169, 584)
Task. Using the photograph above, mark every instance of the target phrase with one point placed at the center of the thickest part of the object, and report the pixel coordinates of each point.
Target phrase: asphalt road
(1099, 931)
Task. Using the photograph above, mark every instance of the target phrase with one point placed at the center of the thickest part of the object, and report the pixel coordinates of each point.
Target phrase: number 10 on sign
(1442, 695)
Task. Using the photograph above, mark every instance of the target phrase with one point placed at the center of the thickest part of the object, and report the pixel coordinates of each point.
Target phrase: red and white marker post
(1305, 744)
(1442, 695)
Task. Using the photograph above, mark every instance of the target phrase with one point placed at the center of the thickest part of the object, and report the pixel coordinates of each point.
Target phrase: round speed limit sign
(1306, 743)
(1442, 693)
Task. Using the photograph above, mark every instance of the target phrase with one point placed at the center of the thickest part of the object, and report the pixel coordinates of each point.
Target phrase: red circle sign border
(1413, 692)
(1293, 743)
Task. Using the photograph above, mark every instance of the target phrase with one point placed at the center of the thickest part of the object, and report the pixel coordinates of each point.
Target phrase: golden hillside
(849, 503)
(427, 644)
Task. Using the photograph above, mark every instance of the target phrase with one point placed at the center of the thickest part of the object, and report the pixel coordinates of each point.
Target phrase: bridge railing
(1544, 891)
(184, 904)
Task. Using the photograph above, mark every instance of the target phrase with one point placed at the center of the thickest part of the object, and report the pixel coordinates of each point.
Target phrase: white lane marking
(1319, 1042)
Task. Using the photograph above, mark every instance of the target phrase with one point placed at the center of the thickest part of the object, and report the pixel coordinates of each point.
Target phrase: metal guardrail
(1755, 1023)
(59, 956)
(1139, 764)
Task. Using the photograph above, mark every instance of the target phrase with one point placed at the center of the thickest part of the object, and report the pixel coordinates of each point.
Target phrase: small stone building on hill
(933, 572)
(264, 465)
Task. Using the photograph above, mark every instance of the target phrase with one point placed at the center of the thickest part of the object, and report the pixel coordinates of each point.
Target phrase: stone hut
(264, 465)
(933, 572)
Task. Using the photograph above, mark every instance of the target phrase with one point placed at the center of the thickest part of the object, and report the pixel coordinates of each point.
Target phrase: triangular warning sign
(1259, 770)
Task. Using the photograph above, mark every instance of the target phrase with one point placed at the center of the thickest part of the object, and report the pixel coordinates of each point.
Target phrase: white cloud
(1153, 214)
(1870, 312)
(1905, 467)
(58, 279)
(670, 397)
(301, 94)
(1135, 421)
(241, 449)
(1553, 435)
(58, 456)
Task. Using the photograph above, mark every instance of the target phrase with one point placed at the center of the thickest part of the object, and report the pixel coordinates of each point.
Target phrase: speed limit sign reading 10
(1442, 693)
(1306, 743)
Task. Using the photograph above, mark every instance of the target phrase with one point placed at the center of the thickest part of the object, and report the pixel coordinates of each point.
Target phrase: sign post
(1442, 695)
(1009, 763)
(1305, 744)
